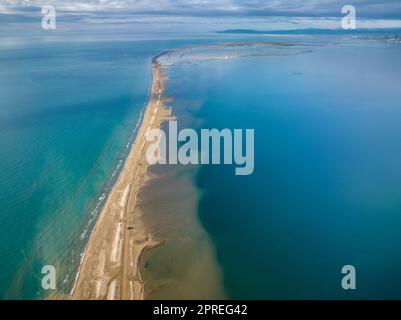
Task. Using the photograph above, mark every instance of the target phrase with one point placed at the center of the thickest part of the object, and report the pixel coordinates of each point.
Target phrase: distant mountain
(313, 31)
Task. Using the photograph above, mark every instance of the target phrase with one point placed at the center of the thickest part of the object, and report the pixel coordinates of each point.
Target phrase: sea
(325, 192)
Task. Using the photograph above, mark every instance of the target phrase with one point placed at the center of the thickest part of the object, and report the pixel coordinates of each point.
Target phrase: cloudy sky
(308, 8)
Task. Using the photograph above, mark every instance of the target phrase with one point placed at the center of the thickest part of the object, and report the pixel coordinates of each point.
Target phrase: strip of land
(110, 267)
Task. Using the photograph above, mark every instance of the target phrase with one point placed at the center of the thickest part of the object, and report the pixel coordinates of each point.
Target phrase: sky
(379, 9)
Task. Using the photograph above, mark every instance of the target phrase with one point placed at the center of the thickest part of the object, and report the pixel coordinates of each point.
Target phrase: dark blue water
(326, 190)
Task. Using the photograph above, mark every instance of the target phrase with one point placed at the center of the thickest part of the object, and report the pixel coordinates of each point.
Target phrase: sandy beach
(110, 267)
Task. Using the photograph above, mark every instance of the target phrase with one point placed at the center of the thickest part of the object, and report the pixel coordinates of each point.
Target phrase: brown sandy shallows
(110, 267)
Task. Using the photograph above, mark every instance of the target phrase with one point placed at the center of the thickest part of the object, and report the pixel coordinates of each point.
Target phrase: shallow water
(184, 266)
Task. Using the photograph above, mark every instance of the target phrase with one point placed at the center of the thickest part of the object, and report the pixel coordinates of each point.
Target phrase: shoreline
(109, 268)
(110, 265)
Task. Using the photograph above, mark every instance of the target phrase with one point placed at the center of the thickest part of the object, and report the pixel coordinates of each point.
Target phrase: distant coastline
(315, 31)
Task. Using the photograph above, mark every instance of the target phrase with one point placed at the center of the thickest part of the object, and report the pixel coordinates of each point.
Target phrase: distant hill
(313, 31)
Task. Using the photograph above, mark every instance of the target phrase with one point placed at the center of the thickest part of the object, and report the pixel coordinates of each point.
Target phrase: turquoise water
(67, 113)
(326, 190)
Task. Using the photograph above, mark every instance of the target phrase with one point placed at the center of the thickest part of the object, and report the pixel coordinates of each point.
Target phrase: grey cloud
(311, 8)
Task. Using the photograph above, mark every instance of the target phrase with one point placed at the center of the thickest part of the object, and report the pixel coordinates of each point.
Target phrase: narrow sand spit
(110, 267)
